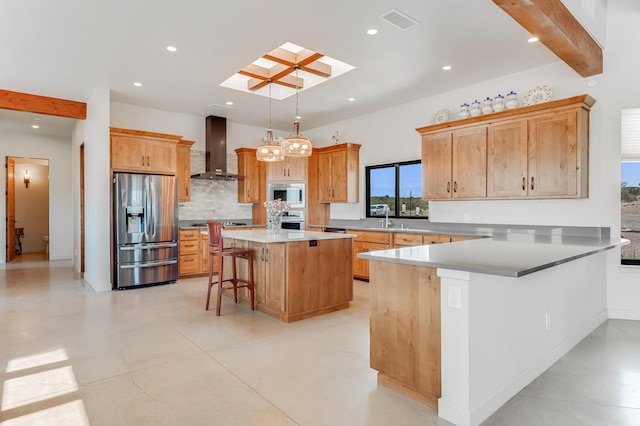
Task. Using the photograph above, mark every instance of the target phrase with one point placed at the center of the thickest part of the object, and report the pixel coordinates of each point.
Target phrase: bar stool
(216, 249)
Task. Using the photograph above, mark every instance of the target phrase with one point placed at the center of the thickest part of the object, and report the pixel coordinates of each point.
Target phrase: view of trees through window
(630, 211)
(396, 189)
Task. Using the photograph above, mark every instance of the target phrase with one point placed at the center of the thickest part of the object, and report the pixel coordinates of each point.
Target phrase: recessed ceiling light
(351, 99)
(172, 48)
(372, 31)
(137, 84)
(35, 126)
(447, 67)
(229, 103)
(533, 39)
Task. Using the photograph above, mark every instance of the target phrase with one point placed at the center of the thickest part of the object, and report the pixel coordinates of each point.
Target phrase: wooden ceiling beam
(26, 102)
(289, 81)
(559, 31)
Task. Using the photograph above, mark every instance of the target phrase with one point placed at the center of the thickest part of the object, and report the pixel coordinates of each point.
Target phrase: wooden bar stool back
(216, 249)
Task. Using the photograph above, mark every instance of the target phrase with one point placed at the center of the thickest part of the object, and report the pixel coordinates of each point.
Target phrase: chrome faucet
(385, 223)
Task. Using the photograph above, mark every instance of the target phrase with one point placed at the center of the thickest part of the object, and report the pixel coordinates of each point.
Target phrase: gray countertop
(514, 256)
(266, 236)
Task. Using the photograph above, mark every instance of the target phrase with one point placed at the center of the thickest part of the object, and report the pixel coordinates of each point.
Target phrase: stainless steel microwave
(292, 193)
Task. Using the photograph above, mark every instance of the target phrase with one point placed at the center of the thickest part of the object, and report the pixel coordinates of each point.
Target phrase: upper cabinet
(249, 167)
(139, 151)
(338, 173)
(183, 169)
(292, 168)
(457, 163)
(537, 151)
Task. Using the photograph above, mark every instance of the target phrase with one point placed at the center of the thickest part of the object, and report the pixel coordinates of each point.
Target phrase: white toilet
(45, 238)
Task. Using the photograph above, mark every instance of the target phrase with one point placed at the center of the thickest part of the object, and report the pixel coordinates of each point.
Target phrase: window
(630, 211)
(396, 189)
(630, 186)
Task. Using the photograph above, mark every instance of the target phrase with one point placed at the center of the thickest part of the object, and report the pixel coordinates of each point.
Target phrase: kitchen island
(463, 327)
(298, 274)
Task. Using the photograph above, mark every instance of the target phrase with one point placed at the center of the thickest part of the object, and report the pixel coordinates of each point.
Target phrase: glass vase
(274, 222)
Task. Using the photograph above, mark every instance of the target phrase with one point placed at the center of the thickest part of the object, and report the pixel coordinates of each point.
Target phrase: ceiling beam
(559, 30)
(25, 102)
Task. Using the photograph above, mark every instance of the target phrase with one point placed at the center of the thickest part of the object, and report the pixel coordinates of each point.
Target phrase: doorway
(27, 205)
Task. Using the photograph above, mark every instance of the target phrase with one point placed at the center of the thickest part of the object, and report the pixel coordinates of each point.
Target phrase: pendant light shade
(296, 145)
(270, 149)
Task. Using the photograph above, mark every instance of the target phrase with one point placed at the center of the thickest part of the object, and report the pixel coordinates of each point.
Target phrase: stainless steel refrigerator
(145, 209)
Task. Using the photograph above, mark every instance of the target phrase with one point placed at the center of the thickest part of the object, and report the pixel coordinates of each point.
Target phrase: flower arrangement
(276, 207)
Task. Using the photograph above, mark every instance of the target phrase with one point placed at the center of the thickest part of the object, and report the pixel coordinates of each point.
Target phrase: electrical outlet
(547, 321)
(454, 296)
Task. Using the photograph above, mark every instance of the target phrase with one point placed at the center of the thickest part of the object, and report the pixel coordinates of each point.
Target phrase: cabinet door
(183, 166)
(436, 166)
(248, 188)
(161, 157)
(324, 178)
(296, 168)
(128, 153)
(360, 266)
(507, 159)
(339, 179)
(553, 170)
(469, 168)
(275, 277)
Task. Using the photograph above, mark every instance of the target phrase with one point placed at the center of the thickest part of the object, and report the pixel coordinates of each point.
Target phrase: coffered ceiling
(66, 48)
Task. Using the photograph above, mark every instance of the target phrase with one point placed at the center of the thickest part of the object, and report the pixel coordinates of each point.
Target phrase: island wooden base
(295, 280)
(405, 329)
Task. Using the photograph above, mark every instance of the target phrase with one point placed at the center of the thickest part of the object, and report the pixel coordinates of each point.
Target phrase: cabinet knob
(448, 187)
(532, 185)
(455, 186)
(142, 161)
(524, 183)
(148, 161)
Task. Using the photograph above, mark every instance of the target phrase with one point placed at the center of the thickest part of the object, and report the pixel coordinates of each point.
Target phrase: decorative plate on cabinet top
(537, 95)
(441, 116)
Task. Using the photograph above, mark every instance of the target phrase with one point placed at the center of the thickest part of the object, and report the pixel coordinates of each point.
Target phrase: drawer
(436, 239)
(407, 239)
(370, 236)
(189, 264)
(189, 234)
(189, 247)
(455, 238)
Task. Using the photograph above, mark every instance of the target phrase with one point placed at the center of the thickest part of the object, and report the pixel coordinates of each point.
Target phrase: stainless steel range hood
(216, 150)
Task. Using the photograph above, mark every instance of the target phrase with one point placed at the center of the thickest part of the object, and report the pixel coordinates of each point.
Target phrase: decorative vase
(274, 222)
(475, 108)
(464, 110)
(498, 103)
(487, 106)
(512, 100)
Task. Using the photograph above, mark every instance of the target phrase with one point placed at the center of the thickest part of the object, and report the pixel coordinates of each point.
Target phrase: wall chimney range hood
(216, 150)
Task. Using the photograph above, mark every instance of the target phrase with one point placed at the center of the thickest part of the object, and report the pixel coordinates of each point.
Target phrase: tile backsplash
(213, 199)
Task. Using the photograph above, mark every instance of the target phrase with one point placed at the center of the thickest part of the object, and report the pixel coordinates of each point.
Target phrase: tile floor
(154, 356)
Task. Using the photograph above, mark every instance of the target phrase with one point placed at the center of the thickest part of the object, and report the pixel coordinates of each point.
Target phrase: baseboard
(624, 314)
(480, 413)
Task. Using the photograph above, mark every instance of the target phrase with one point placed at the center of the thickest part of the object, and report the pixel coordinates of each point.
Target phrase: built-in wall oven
(293, 219)
(291, 193)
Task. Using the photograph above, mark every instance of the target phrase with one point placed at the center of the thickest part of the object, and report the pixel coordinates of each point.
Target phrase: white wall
(97, 192)
(58, 151)
(32, 205)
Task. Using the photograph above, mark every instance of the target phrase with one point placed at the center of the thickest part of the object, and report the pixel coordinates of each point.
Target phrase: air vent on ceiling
(399, 19)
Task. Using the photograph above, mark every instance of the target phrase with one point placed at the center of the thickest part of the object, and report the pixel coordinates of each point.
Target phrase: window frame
(392, 214)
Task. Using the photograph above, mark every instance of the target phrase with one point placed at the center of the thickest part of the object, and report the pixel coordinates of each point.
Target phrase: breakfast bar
(463, 327)
(298, 274)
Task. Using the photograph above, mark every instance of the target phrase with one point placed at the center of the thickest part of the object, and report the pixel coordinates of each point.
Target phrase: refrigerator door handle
(148, 246)
(149, 264)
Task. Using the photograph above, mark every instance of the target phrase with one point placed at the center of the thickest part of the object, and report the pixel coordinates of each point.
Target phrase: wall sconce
(26, 178)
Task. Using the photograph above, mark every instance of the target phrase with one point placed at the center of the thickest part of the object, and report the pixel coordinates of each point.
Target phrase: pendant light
(296, 145)
(270, 150)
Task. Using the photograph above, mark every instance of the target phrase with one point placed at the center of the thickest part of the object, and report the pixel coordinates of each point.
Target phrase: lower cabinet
(194, 253)
(366, 241)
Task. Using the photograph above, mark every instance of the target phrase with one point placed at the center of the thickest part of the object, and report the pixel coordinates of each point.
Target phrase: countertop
(513, 256)
(265, 236)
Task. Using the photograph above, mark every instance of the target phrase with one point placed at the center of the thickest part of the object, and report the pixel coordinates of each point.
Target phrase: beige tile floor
(154, 356)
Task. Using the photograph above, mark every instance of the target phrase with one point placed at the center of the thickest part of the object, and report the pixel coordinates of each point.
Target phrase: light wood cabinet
(338, 173)
(194, 253)
(183, 169)
(455, 164)
(249, 187)
(290, 169)
(536, 151)
(365, 241)
(139, 151)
